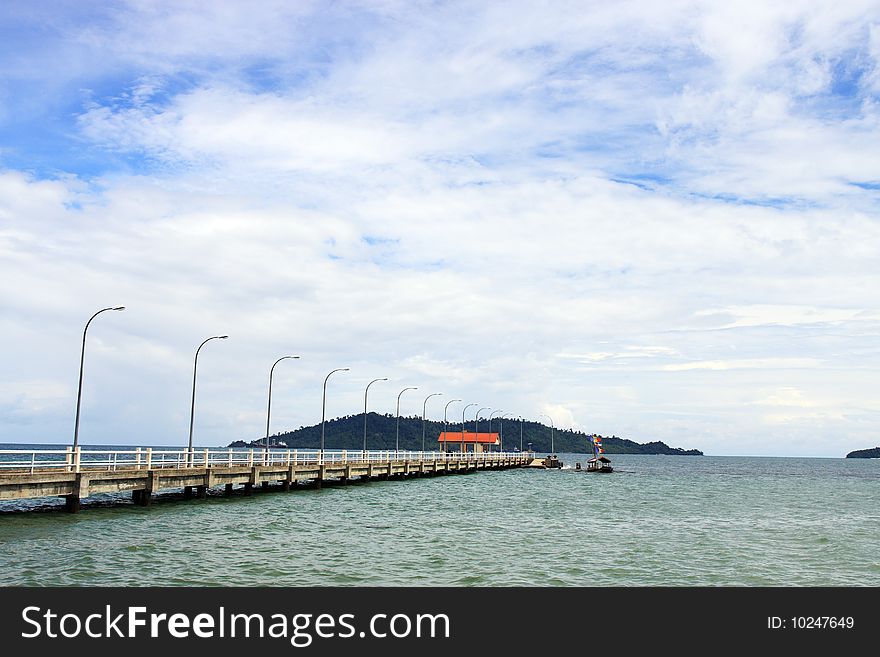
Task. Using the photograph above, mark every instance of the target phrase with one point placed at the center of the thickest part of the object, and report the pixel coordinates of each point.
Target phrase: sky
(651, 220)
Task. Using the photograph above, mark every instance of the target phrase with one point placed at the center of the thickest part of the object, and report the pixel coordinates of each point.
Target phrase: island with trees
(348, 433)
(873, 453)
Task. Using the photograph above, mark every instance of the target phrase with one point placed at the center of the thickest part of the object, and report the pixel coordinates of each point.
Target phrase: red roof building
(475, 442)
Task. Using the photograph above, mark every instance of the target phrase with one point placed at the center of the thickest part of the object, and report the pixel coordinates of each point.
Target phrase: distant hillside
(873, 453)
(348, 433)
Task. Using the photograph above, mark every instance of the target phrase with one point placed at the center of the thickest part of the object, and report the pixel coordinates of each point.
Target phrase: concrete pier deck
(76, 475)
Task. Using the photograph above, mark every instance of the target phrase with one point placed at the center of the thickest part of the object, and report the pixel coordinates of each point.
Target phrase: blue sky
(659, 222)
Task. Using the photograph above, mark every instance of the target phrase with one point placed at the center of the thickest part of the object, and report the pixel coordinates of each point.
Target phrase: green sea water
(657, 520)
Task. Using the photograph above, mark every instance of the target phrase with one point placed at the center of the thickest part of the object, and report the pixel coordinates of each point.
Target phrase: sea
(655, 521)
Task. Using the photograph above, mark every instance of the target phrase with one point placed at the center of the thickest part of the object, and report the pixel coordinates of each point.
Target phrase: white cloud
(745, 363)
(34, 397)
(562, 417)
(787, 396)
(538, 208)
(787, 315)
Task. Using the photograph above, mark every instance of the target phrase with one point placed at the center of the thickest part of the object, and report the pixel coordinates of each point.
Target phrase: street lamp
(501, 420)
(520, 433)
(462, 425)
(366, 390)
(324, 407)
(424, 407)
(192, 408)
(490, 418)
(269, 407)
(82, 360)
(446, 422)
(477, 427)
(552, 429)
(397, 440)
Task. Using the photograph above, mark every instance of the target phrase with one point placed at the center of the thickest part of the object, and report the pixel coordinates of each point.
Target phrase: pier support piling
(187, 492)
(202, 492)
(71, 503)
(141, 497)
(248, 489)
(80, 490)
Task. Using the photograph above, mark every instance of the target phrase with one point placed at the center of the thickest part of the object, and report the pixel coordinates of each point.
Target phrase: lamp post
(397, 439)
(501, 420)
(462, 424)
(520, 433)
(552, 429)
(324, 407)
(424, 408)
(477, 427)
(490, 419)
(82, 360)
(269, 407)
(192, 409)
(366, 390)
(446, 422)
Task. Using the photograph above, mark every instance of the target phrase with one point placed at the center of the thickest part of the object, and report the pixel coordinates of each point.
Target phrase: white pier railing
(69, 460)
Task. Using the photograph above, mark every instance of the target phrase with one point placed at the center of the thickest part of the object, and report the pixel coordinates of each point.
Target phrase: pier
(77, 474)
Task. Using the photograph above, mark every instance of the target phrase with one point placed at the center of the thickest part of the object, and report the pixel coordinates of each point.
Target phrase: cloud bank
(659, 222)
